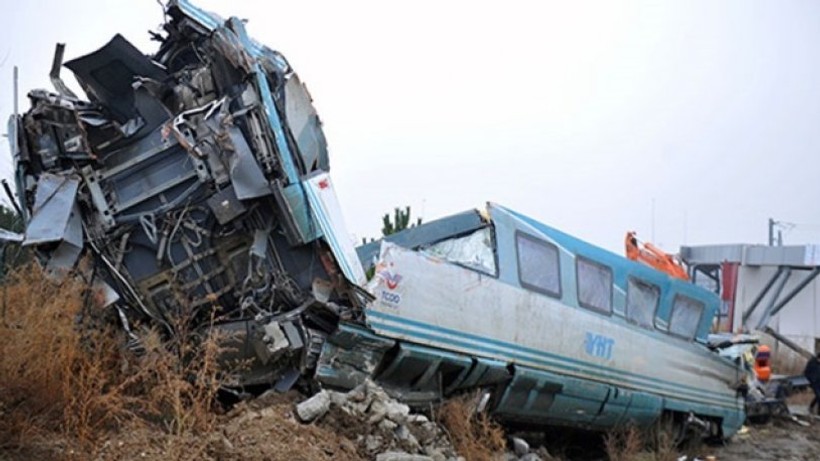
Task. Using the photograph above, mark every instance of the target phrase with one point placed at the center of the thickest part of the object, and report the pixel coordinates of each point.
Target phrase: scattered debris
(314, 407)
(381, 425)
(520, 446)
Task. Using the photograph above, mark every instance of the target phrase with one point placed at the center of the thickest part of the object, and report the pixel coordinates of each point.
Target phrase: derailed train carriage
(195, 181)
(555, 330)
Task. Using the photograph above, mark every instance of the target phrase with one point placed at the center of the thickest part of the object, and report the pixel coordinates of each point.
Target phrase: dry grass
(475, 436)
(632, 444)
(624, 444)
(54, 378)
(803, 397)
(66, 376)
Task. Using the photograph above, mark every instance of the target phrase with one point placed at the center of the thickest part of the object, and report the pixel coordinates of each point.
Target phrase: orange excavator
(654, 257)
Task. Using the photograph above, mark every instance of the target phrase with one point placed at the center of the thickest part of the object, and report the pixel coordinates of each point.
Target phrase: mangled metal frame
(196, 182)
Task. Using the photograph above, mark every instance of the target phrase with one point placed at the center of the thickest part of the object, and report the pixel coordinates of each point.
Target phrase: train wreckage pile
(194, 181)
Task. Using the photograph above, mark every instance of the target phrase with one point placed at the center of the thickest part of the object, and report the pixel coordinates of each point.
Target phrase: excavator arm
(654, 257)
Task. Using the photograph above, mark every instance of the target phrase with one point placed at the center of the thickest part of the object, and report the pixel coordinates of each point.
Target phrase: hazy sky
(580, 114)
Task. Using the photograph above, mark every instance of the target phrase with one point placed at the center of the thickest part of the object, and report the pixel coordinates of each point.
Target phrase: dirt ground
(266, 429)
(780, 439)
(261, 429)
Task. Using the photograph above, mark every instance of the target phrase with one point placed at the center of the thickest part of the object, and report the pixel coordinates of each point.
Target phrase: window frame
(537, 241)
(672, 314)
(653, 325)
(588, 306)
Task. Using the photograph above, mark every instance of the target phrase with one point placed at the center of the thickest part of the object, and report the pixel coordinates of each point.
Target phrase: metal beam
(767, 314)
(814, 273)
(789, 343)
(761, 295)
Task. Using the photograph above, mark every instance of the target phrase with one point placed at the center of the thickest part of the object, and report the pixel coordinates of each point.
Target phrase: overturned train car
(193, 186)
(195, 183)
(554, 330)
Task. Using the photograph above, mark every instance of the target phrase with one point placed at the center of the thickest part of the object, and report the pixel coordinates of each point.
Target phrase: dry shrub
(624, 443)
(65, 372)
(630, 443)
(663, 444)
(474, 435)
(54, 378)
(181, 378)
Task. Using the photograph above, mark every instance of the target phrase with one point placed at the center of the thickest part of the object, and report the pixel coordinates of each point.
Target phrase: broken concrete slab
(314, 407)
(520, 446)
(401, 456)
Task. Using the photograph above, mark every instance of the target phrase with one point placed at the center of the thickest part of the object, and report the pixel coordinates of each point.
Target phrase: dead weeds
(629, 443)
(68, 378)
(475, 436)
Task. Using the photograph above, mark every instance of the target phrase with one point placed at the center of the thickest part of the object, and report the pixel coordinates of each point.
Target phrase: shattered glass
(685, 318)
(474, 251)
(641, 301)
(538, 265)
(594, 285)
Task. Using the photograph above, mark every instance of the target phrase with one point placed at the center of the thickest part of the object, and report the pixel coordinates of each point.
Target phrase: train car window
(538, 266)
(594, 285)
(641, 302)
(474, 251)
(685, 318)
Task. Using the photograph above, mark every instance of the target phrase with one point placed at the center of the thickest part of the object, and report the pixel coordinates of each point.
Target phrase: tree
(400, 222)
(10, 220)
(11, 254)
(397, 223)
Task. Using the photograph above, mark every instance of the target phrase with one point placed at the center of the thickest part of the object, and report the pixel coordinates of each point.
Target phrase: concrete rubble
(388, 430)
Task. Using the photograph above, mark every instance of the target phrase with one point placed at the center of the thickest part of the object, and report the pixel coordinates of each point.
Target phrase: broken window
(594, 285)
(685, 319)
(474, 251)
(641, 302)
(538, 267)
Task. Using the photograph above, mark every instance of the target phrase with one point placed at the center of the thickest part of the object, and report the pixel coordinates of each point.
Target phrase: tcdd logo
(390, 279)
(391, 298)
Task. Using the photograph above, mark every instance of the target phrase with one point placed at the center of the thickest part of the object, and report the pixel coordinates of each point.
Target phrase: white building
(764, 286)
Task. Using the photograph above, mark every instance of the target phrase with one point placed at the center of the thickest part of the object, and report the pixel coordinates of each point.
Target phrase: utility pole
(771, 232)
(773, 223)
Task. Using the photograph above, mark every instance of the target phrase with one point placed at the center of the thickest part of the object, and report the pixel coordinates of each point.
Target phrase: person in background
(812, 373)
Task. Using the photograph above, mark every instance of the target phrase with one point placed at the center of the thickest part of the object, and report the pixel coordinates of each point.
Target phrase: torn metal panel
(300, 225)
(350, 356)
(305, 125)
(52, 210)
(328, 214)
(58, 83)
(247, 178)
(107, 76)
(9, 236)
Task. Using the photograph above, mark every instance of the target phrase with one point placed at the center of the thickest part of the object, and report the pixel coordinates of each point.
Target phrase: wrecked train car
(196, 182)
(555, 331)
